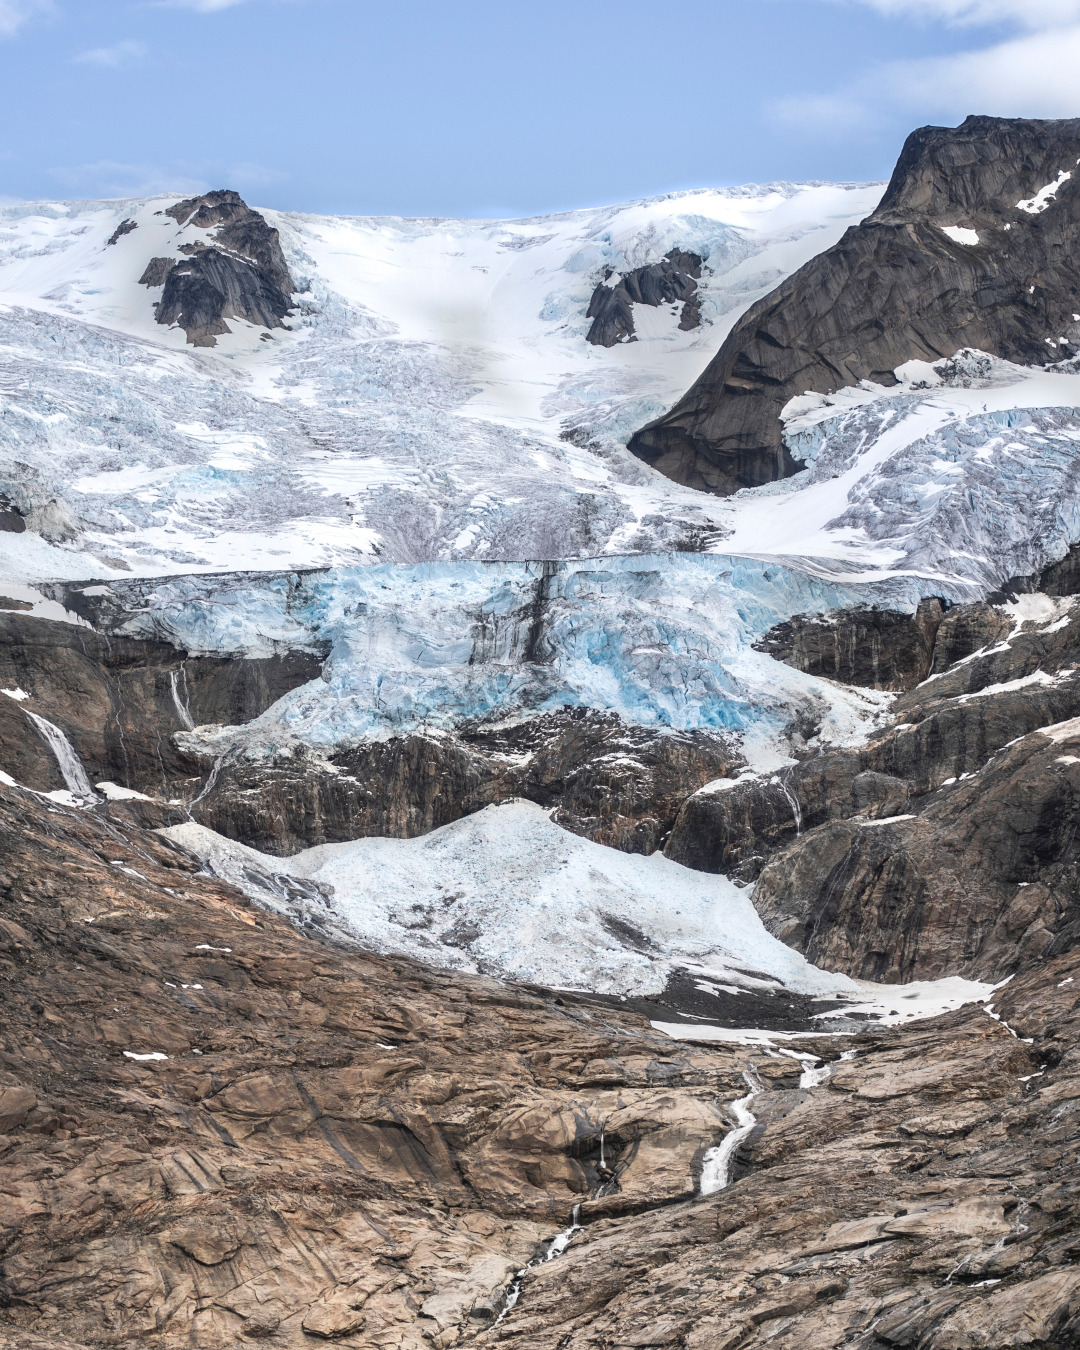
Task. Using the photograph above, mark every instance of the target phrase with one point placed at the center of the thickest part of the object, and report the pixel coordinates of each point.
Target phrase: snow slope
(507, 892)
(418, 409)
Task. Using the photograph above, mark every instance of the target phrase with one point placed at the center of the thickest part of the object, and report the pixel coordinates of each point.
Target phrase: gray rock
(242, 274)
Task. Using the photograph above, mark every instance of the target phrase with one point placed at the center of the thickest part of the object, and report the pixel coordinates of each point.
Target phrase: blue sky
(487, 107)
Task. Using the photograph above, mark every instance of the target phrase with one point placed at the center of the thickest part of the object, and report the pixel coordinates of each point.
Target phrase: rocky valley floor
(220, 1130)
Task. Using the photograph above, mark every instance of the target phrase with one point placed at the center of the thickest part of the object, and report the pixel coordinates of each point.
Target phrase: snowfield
(507, 892)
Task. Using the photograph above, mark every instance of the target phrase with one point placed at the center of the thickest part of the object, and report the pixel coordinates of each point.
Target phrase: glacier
(433, 398)
(508, 893)
(664, 642)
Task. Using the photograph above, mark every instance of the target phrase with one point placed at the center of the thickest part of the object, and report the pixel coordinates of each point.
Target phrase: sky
(491, 108)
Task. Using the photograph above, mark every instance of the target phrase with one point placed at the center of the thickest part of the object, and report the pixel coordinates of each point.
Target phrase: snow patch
(961, 235)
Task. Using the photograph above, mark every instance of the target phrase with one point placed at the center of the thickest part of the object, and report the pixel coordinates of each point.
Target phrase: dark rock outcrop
(871, 648)
(119, 701)
(944, 845)
(672, 281)
(616, 784)
(125, 227)
(240, 273)
(896, 287)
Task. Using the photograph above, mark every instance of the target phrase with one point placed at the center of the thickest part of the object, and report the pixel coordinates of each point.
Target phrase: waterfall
(793, 802)
(69, 762)
(210, 783)
(555, 1247)
(716, 1168)
(181, 703)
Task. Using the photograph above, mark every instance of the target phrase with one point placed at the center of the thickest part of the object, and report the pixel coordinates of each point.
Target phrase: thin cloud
(14, 13)
(1031, 14)
(121, 54)
(203, 6)
(108, 178)
(1031, 74)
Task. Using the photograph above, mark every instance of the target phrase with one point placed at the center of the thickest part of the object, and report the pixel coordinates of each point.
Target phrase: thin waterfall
(69, 762)
(793, 802)
(211, 782)
(555, 1247)
(175, 676)
(716, 1168)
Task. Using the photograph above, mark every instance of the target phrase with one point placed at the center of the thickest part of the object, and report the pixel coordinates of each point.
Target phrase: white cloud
(14, 13)
(1036, 14)
(119, 55)
(1031, 74)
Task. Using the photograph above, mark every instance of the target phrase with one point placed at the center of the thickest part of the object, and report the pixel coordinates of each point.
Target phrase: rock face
(124, 704)
(120, 700)
(944, 845)
(219, 1132)
(618, 785)
(898, 287)
(672, 281)
(237, 272)
(873, 648)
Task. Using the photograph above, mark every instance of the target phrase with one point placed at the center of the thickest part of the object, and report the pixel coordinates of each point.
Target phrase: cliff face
(973, 245)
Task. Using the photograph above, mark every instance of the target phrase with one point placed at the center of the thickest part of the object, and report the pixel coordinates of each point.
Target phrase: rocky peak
(973, 245)
(981, 168)
(239, 273)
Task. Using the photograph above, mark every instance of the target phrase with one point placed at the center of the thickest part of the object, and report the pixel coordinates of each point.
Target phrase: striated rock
(238, 271)
(225, 1128)
(895, 288)
(344, 1147)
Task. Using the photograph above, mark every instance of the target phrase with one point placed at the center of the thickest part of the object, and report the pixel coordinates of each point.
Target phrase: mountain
(972, 245)
(459, 885)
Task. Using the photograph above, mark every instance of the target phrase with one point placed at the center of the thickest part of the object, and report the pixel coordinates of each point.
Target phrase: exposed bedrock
(219, 1132)
(616, 784)
(894, 288)
(239, 272)
(947, 843)
(672, 281)
(119, 701)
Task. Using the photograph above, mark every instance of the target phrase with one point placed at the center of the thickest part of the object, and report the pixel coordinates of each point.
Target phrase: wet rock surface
(895, 288)
(120, 700)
